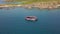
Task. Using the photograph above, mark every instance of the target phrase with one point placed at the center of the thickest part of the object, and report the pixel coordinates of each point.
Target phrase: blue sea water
(13, 21)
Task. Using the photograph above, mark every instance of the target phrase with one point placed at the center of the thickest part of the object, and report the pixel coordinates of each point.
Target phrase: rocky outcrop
(49, 5)
(40, 5)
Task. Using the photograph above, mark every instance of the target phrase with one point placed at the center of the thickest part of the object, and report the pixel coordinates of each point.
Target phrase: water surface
(13, 21)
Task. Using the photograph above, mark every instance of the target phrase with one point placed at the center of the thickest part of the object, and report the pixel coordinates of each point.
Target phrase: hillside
(31, 1)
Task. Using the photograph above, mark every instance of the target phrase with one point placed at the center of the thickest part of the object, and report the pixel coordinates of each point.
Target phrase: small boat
(31, 18)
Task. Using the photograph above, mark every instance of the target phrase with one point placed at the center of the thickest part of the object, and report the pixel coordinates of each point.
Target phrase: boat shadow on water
(30, 21)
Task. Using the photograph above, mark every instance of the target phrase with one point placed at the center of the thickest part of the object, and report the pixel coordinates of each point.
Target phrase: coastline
(43, 5)
(2, 6)
(40, 5)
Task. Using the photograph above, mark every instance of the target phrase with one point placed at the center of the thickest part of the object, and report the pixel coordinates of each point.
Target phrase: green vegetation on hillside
(32, 1)
(36, 0)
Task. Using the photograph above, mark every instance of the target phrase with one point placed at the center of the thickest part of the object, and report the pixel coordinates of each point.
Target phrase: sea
(12, 21)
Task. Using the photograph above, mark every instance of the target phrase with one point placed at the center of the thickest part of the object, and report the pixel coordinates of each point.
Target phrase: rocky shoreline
(43, 5)
(2, 6)
(40, 5)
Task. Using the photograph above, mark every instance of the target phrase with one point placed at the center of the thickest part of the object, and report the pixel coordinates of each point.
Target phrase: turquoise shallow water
(13, 21)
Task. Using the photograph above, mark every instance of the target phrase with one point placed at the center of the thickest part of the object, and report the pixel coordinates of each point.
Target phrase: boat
(31, 18)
